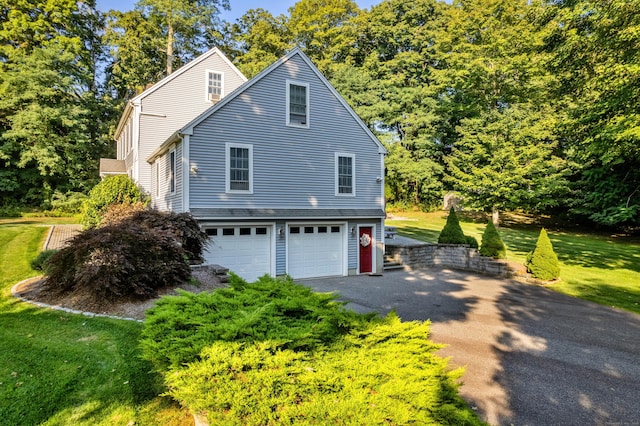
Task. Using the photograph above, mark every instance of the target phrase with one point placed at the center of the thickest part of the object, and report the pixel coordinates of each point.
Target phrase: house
(280, 171)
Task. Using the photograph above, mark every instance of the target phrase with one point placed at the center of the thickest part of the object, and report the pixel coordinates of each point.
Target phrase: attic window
(214, 83)
(297, 104)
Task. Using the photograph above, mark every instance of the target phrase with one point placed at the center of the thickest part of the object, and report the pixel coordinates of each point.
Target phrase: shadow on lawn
(565, 361)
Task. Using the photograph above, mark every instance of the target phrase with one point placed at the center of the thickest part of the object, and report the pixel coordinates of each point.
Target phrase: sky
(238, 7)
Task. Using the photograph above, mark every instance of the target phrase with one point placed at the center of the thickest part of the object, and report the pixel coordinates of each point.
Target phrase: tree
(504, 146)
(542, 262)
(324, 30)
(185, 25)
(596, 57)
(53, 115)
(492, 244)
(259, 39)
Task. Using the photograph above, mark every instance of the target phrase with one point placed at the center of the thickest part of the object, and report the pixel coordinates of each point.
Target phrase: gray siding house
(281, 173)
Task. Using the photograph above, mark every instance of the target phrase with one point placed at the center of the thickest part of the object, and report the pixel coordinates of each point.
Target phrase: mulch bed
(33, 290)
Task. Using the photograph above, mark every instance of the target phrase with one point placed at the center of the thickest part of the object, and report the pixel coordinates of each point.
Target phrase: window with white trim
(239, 168)
(214, 85)
(345, 181)
(172, 171)
(297, 104)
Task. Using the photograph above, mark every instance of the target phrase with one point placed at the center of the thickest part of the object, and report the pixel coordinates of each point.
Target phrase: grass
(60, 369)
(600, 268)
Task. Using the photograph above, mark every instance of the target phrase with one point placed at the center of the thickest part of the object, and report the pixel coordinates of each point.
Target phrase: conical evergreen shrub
(492, 244)
(542, 262)
(452, 232)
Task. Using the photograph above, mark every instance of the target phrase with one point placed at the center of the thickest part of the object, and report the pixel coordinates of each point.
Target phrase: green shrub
(275, 352)
(387, 373)
(492, 244)
(68, 203)
(39, 263)
(452, 232)
(118, 189)
(542, 262)
(179, 327)
(124, 261)
(471, 241)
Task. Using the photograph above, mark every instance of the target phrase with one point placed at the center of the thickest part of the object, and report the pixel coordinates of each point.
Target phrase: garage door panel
(315, 251)
(245, 250)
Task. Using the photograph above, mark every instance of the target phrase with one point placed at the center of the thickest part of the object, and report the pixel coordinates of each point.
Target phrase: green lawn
(61, 369)
(603, 269)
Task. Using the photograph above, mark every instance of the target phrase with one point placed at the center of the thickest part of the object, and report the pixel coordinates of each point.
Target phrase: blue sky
(238, 7)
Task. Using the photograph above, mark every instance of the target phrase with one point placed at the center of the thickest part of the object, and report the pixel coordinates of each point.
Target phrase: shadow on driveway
(532, 356)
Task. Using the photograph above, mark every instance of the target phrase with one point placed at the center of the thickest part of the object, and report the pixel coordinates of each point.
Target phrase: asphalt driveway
(532, 356)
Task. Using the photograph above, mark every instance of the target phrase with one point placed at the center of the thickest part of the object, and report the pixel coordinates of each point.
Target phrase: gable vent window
(214, 86)
(297, 104)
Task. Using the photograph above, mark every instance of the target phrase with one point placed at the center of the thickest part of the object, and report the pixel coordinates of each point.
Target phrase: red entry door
(365, 242)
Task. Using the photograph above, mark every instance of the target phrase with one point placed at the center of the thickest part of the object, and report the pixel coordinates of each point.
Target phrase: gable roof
(183, 69)
(188, 128)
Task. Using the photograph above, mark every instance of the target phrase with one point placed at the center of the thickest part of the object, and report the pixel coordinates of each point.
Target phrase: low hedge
(274, 352)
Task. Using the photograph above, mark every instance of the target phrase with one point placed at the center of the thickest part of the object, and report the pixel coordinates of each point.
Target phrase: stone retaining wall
(446, 255)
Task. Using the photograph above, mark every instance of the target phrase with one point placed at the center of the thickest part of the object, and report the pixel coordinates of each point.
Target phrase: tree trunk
(170, 50)
(495, 216)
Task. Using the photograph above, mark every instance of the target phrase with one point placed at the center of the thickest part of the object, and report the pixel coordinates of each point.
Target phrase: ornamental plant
(119, 189)
(452, 232)
(183, 226)
(542, 262)
(492, 244)
(275, 352)
(118, 262)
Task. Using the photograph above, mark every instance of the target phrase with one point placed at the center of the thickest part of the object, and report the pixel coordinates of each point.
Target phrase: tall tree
(396, 58)
(51, 114)
(185, 24)
(259, 39)
(597, 59)
(504, 149)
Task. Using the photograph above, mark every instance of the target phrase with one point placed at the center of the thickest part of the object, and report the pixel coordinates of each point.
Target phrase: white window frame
(288, 110)
(227, 169)
(173, 171)
(156, 175)
(338, 155)
(206, 84)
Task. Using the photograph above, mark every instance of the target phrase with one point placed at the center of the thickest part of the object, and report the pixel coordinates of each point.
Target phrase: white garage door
(245, 250)
(315, 250)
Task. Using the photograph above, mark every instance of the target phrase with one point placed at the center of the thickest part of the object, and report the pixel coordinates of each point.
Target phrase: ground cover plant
(598, 267)
(274, 352)
(62, 369)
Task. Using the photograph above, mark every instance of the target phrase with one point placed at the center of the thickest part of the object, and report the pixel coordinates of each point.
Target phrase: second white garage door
(245, 250)
(315, 250)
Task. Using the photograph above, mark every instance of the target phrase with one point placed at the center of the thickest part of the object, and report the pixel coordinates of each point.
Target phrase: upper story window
(297, 104)
(239, 168)
(215, 84)
(345, 167)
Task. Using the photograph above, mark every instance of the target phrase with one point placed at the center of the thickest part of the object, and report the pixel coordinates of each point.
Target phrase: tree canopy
(515, 104)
